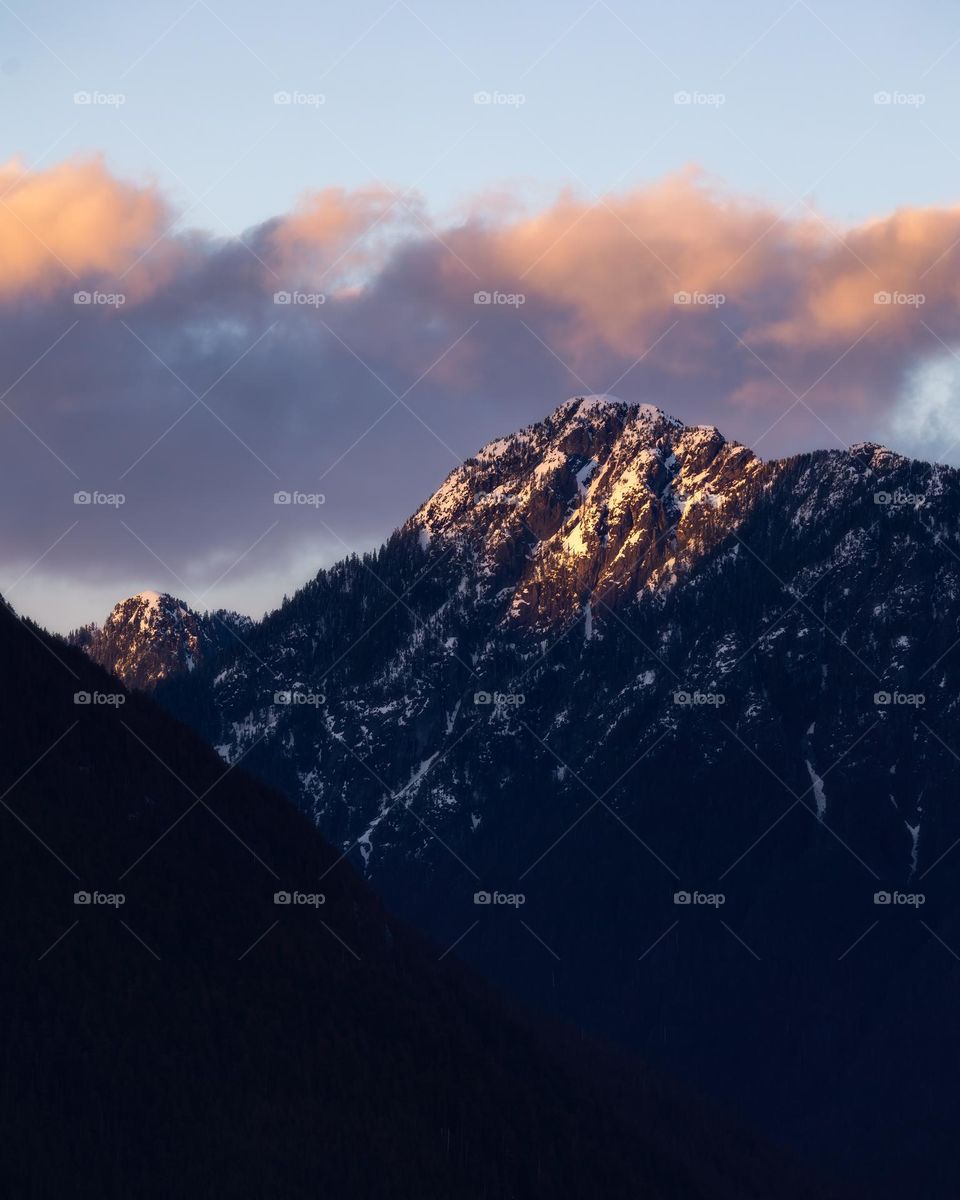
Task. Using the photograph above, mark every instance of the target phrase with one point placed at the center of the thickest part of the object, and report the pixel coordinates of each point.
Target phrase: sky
(790, 170)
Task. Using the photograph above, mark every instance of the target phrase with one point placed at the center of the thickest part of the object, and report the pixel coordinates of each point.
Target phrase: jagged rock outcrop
(154, 636)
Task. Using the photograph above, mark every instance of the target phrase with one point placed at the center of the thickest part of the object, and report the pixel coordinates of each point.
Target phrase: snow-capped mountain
(601, 500)
(616, 661)
(154, 636)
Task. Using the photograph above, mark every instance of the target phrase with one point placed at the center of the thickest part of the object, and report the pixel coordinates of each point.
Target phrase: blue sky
(398, 80)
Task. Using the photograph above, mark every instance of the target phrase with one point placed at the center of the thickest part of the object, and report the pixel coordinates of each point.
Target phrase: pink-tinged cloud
(333, 233)
(797, 333)
(71, 220)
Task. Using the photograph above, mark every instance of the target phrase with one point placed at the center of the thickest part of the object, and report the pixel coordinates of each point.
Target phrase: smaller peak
(150, 599)
(145, 604)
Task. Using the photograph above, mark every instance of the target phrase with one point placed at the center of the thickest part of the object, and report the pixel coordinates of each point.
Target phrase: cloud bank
(356, 346)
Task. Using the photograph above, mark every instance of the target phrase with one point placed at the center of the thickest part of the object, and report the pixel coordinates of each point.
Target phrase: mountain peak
(600, 498)
(150, 599)
(602, 406)
(146, 604)
(586, 404)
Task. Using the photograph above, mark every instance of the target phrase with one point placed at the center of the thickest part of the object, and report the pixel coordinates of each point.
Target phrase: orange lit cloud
(333, 232)
(71, 220)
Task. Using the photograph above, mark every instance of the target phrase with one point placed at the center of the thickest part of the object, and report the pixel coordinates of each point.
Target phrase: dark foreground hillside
(199, 1039)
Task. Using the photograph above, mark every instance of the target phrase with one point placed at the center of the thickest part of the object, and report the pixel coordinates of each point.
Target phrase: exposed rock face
(154, 636)
(596, 504)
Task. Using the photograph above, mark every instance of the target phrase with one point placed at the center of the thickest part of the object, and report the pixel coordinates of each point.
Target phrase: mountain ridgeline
(670, 731)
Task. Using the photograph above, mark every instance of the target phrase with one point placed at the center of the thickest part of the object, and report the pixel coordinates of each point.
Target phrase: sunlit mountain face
(150, 637)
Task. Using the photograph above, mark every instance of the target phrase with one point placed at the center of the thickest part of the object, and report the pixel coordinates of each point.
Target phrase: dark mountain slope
(200, 1040)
